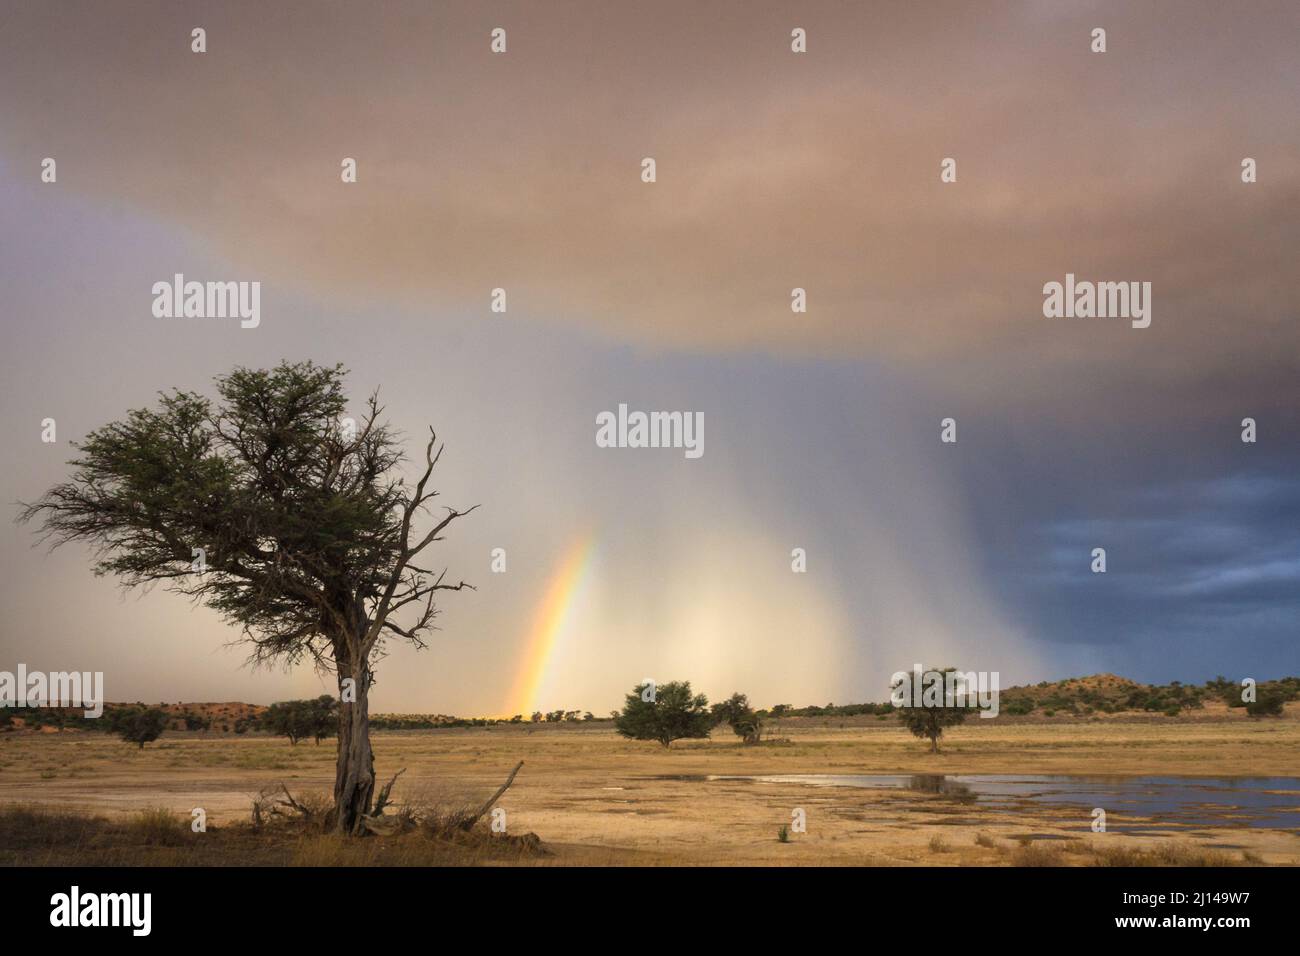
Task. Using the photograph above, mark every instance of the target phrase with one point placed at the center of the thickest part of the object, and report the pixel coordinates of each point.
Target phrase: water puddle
(1174, 802)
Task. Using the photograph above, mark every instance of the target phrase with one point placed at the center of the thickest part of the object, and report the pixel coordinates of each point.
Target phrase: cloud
(776, 171)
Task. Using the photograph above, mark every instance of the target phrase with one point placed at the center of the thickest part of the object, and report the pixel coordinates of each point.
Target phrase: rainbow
(550, 623)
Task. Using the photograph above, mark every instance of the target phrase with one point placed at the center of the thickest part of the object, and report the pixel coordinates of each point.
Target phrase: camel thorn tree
(288, 519)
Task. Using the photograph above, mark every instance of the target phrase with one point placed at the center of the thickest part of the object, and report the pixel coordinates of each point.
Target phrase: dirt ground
(594, 798)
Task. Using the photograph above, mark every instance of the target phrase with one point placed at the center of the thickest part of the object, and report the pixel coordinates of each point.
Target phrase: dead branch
(382, 826)
(382, 800)
(293, 804)
(468, 821)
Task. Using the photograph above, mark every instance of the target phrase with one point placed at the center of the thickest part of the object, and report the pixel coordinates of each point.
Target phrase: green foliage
(299, 719)
(928, 722)
(138, 725)
(674, 713)
(737, 714)
(303, 522)
(1268, 704)
(195, 721)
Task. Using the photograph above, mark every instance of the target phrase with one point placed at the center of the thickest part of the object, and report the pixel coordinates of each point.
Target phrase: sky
(775, 170)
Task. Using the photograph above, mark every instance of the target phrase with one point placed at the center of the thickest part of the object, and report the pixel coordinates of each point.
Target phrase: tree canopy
(928, 721)
(736, 713)
(301, 719)
(137, 725)
(665, 713)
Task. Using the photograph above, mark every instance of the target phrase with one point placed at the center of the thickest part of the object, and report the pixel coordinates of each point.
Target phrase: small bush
(157, 826)
(1268, 705)
(1031, 855)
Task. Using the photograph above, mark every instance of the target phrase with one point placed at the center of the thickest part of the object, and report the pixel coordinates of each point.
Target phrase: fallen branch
(467, 821)
(385, 792)
(382, 826)
(293, 804)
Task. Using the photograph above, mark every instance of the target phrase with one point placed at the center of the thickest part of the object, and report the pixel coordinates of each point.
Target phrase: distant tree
(780, 710)
(6, 717)
(928, 722)
(300, 719)
(287, 718)
(324, 711)
(537, 717)
(138, 725)
(674, 714)
(740, 717)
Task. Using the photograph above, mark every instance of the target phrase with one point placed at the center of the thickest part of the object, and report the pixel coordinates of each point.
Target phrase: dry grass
(156, 826)
(1167, 854)
(31, 836)
(1037, 854)
(596, 798)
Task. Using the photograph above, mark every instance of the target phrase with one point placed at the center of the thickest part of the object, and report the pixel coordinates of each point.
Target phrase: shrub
(1269, 704)
(157, 826)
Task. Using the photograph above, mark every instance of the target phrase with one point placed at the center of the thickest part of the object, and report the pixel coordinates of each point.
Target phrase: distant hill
(1095, 694)
(224, 717)
(229, 717)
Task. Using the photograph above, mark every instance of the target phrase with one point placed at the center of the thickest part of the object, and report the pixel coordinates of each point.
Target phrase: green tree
(666, 713)
(929, 721)
(295, 719)
(138, 725)
(740, 717)
(290, 520)
(324, 716)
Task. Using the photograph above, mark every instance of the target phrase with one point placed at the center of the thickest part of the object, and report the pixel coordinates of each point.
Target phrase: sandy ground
(595, 798)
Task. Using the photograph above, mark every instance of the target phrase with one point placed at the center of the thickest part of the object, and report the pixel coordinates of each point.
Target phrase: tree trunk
(354, 778)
